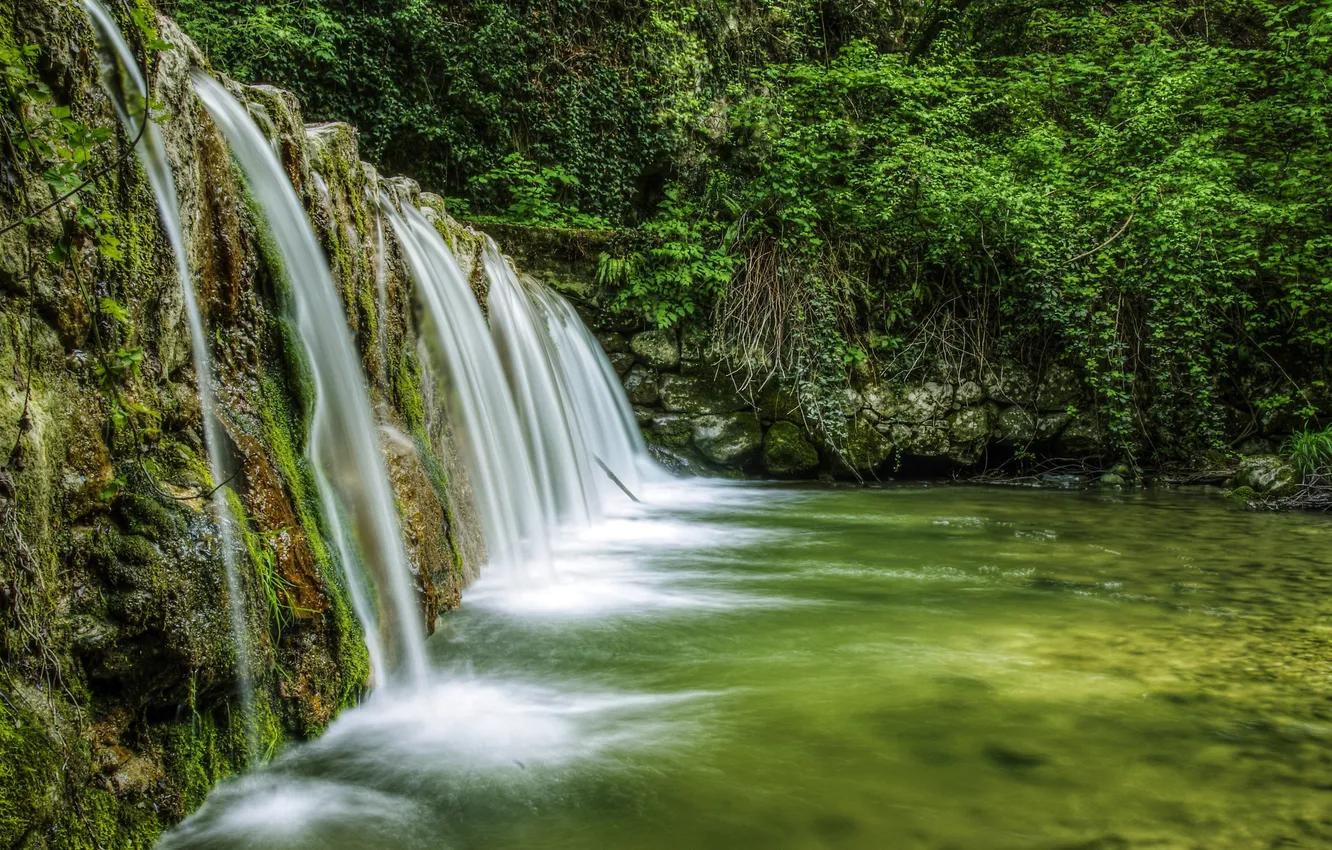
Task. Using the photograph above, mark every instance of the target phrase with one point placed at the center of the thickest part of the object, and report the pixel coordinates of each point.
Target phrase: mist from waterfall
(354, 487)
(128, 91)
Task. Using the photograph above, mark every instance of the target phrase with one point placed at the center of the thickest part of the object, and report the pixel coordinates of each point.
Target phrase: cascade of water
(344, 449)
(481, 410)
(554, 435)
(575, 412)
(597, 398)
(129, 94)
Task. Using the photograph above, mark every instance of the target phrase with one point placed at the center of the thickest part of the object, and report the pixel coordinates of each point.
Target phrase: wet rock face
(107, 524)
(878, 420)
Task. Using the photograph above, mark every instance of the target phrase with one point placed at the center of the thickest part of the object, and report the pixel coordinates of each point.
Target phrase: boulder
(694, 342)
(1085, 435)
(786, 452)
(882, 400)
(1016, 426)
(866, 448)
(1267, 475)
(969, 392)
(731, 441)
(1051, 424)
(775, 401)
(641, 386)
(1008, 382)
(657, 348)
(1060, 386)
(850, 402)
(620, 361)
(929, 439)
(973, 424)
(969, 432)
(925, 403)
(697, 394)
(669, 430)
(613, 343)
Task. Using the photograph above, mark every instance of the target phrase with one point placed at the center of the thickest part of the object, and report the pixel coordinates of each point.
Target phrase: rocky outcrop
(685, 398)
(118, 681)
(1266, 475)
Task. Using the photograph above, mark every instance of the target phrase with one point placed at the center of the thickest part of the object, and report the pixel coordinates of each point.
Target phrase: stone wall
(702, 415)
(696, 414)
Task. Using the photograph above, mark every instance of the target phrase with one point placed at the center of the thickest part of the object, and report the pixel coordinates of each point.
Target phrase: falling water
(575, 412)
(483, 416)
(599, 402)
(554, 437)
(129, 94)
(353, 483)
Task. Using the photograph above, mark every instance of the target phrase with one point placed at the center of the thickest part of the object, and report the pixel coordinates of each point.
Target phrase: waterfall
(598, 399)
(481, 410)
(129, 94)
(344, 448)
(554, 437)
(575, 411)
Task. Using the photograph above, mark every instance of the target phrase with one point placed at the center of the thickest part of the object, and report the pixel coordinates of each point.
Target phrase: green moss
(100, 821)
(786, 452)
(279, 420)
(145, 516)
(275, 589)
(29, 768)
(407, 390)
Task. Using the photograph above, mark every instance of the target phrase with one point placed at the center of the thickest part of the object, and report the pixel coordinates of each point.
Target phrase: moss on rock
(786, 452)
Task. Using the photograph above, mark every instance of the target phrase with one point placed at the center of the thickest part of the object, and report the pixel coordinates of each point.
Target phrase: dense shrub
(1137, 188)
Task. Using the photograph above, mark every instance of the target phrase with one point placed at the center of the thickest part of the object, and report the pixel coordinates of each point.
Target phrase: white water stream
(129, 94)
(344, 446)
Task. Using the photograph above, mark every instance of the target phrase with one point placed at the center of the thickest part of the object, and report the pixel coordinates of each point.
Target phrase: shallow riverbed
(751, 666)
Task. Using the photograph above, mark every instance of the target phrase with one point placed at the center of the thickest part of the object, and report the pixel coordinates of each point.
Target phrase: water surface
(750, 666)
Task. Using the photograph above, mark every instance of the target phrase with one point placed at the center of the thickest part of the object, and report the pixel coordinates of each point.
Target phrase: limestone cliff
(118, 687)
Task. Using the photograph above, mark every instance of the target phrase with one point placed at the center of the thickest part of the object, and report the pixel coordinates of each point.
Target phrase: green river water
(751, 666)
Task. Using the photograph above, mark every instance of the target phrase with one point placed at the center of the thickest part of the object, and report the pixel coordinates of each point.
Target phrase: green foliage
(534, 194)
(1310, 451)
(445, 90)
(685, 268)
(1135, 188)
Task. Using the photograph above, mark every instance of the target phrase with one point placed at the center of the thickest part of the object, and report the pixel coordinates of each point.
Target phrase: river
(764, 666)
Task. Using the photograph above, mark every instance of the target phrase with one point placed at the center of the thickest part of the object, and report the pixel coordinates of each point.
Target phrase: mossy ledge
(118, 691)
